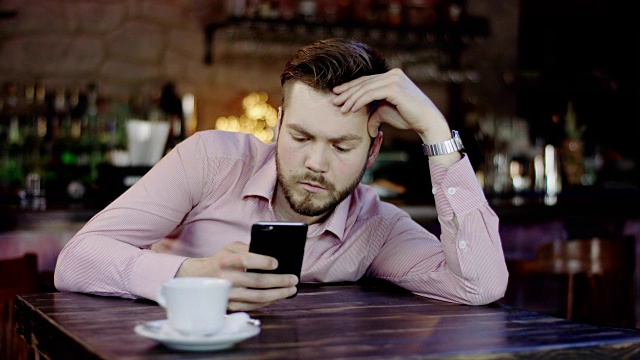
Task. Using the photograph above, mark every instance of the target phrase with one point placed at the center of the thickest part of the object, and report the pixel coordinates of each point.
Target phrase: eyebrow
(338, 139)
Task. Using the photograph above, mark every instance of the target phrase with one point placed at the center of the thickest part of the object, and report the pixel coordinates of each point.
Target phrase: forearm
(104, 266)
(474, 256)
(470, 234)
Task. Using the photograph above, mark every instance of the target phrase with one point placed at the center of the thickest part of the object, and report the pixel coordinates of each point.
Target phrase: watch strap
(446, 147)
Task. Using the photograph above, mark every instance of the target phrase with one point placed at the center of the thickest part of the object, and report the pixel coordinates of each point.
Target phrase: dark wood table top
(355, 320)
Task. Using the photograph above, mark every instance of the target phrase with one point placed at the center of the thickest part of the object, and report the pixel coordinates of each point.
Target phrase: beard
(309, 204)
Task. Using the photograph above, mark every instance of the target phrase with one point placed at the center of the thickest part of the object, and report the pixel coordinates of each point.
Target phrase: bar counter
(525, 223)
(571, 204)
(372, 319)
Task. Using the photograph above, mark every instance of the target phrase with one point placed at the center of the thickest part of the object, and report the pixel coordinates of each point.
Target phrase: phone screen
(282, 240)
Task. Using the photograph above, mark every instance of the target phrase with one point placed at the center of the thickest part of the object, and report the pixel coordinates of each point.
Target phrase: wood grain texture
(361, 320)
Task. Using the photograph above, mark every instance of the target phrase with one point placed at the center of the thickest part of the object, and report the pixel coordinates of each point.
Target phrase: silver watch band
(446, 147)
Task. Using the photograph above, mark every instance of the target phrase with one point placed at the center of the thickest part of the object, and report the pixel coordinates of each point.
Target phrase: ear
(375, 149)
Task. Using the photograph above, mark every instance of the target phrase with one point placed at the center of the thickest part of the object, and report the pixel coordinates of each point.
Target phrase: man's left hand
(403, 104)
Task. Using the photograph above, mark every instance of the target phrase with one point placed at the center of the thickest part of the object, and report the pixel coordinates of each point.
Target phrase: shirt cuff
(456, 189)
(151, 271)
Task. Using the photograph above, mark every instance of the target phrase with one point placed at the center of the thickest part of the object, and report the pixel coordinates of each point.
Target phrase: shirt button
(433, 190)
(451, 190)
(462, 245)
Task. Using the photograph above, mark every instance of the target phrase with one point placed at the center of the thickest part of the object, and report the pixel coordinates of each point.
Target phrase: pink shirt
(208, 191)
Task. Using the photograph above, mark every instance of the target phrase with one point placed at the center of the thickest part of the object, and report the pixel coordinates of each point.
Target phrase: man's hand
(249, 291)
(403, 105)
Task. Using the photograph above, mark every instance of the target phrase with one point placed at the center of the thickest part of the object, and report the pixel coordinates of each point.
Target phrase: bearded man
(208, 191)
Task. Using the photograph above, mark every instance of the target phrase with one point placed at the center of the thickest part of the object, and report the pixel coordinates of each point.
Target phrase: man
(210, 189)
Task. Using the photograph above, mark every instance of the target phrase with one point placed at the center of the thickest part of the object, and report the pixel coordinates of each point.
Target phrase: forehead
(313, 110)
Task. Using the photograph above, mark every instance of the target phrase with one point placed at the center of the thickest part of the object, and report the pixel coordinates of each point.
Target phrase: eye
(342, 149)
(299, 138)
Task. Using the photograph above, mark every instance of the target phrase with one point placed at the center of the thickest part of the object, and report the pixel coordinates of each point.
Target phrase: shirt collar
(263, 181)
(337, 221)
(263, 184)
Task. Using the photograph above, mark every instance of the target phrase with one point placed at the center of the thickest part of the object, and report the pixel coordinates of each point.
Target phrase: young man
(208, 191)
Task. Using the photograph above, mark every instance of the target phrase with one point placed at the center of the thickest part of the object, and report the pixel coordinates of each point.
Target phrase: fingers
(247, 260)
(361, 94)
(242, 306)
(243, 299)
(253, 280)
(249, 290)
(342, 87)
(237, 256)
(356, 94)
(260, 296)
(237, 247)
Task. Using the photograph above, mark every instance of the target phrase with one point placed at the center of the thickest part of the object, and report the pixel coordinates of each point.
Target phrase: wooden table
(361, 320)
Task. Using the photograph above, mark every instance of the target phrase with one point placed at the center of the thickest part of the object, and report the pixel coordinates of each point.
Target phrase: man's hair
(326, 64)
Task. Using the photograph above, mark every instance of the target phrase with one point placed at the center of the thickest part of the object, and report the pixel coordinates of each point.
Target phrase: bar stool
(599, 274)
(17, 276)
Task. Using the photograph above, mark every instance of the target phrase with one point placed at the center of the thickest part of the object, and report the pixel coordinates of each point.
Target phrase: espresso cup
(195, 305)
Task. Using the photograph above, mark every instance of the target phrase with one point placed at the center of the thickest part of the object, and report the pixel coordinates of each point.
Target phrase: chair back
(601, 278)
(17, 276)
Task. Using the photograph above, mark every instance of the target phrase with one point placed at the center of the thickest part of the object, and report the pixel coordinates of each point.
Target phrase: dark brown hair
(326, 64)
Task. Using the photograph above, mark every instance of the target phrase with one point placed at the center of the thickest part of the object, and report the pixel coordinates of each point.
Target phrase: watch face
(457, 139)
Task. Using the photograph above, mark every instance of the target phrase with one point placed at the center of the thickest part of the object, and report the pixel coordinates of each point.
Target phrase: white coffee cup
(195, 305)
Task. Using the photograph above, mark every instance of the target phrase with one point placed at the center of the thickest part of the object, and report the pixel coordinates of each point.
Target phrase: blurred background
(544, 94)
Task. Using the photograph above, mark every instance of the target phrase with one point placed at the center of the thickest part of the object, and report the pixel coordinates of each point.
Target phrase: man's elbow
(490, 289)
(61, 280)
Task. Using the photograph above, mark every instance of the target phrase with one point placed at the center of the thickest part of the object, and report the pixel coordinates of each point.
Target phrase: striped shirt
(210, 189)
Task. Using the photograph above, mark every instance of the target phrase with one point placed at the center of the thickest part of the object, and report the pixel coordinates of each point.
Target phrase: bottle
(11, 157)
(33, 196)
(307, 10)
(171, 107)
(394, 13)
(572, 148)
(11, 122)
(420, 13)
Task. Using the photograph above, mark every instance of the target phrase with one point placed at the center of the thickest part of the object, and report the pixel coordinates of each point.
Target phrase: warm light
(269, 134)
(188, 105)
(222, 123)
(250, 100)
(233, 124)
(271, 117)
(259, 118)
(256, 111)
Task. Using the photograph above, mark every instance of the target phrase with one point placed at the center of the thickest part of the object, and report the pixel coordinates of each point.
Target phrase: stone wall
(132, 47)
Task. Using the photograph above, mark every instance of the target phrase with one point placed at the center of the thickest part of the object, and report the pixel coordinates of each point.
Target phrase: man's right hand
(249, 290)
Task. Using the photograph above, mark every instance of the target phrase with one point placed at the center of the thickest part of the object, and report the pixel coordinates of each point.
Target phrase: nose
(316, 159)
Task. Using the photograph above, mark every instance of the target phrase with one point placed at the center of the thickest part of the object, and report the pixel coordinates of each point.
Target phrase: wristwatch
(446, 147)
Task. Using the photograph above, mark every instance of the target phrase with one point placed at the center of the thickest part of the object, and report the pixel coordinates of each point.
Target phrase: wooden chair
(17, 276)
(598, 274)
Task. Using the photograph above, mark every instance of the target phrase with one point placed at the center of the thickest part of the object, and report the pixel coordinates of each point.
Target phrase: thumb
(374, 124)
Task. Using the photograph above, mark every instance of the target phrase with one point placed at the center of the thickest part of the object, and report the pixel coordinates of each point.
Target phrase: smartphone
(282, 240)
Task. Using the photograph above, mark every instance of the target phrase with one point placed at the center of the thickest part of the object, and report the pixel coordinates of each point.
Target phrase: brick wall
(131, 47)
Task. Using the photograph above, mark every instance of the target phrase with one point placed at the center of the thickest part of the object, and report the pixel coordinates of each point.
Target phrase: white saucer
(161, 331)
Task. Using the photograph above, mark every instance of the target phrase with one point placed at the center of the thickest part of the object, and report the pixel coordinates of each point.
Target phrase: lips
(311, 187)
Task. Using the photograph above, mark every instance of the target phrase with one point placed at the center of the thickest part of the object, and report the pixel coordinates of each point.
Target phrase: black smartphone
(282, 240)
